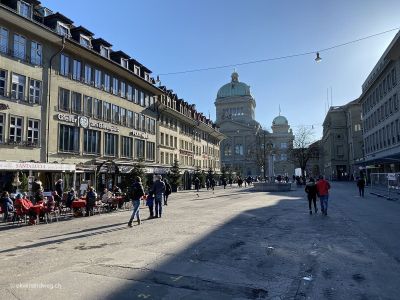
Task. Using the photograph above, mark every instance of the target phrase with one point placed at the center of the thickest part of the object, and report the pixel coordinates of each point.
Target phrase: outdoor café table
(77, 206)
(78, 203)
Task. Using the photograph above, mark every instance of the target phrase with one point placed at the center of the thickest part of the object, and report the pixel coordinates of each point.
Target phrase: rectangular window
(76, 103)
(63, 99)
(91, 141)
(68, 140)
(24, 9)
(123, 89)
(283, 145)
(104, 51)
(126, 147)
(18, 87)
(162, 158)
(2, 126)
(139, 148)
(35, 91)
(110, 144)
(115, 114)
(115, 86)
(64, 65)
(148, 124)
(106, 82)
(106, 111)
(62, 29)
(88, 74)
(97, 78)
(137, 121)
(3, 82)
(88, 111)
(33, 135)
(76, 70)
(152, 128)
(129, 93)
(141, 98)
(129, 119)
(19, 46)
(3, 40)
(123, 116)
(137, 70)
(162, 138)
(135, 96)
(124, 63)
(98, 109)
(15, 134)
(85, 41)
(150, 151)
(36, 53)
(146, 100)
(142, 123)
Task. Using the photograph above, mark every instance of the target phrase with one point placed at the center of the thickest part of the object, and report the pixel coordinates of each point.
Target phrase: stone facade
(341, 143)
(67, 97)
(381, 114)
(249, 149)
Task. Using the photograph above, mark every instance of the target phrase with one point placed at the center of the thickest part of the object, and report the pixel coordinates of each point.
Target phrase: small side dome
(280, 120)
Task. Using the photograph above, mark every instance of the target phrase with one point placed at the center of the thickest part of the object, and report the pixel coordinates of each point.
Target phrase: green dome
(234, 88)
(280, 120)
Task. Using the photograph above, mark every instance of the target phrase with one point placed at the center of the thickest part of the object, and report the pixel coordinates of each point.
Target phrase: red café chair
(19, 215)
(51, 210)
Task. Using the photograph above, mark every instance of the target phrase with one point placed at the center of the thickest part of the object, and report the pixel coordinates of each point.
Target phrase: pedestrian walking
(323, 187)
(361, 186)
(91, 197)
(168, 191)
(208, 183)
(59, 187)
(158, 190)
(311, 190)
(136, 193)
(197, 183)
(224, 182)
(213, 183)
(150, 204)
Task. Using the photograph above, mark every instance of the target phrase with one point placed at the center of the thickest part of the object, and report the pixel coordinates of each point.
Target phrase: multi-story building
(249, 149)
(187, 136)
(381, 114)
(341, 144)
(70, 102)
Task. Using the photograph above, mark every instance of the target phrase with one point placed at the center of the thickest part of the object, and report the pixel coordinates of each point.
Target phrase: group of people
(158, 193)
(318, 189)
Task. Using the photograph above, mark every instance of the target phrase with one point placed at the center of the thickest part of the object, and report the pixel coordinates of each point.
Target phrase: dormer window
(62, 29)
(24, 9)
(146, 76)
(137, 70)
(124, 63)
(105, 51)
(85, 41)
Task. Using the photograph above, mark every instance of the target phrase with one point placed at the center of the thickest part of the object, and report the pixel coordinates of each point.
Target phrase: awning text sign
(5, 165)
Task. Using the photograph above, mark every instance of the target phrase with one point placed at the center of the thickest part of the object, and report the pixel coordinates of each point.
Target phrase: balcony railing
(21, 56)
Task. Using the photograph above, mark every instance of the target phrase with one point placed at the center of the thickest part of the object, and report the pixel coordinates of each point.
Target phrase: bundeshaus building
(72, 106)
(249, 149)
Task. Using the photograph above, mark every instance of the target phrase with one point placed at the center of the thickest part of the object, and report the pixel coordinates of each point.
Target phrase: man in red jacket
(323, 187)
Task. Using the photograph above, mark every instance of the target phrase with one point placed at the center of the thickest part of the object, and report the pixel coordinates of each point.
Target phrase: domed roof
(280, 120)
(234, 88)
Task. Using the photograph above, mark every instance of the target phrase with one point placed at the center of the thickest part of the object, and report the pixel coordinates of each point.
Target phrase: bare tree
(260, 150)
(303, 148)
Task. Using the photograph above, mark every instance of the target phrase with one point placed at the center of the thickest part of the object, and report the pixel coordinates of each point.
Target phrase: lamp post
(270, 160)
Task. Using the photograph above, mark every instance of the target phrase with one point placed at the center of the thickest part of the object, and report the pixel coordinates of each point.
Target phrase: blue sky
(176, 35)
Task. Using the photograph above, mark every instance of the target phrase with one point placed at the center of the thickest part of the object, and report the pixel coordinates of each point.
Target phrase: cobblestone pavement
(230, 244)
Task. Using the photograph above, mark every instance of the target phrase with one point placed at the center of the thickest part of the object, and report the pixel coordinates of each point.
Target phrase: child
(150, 204)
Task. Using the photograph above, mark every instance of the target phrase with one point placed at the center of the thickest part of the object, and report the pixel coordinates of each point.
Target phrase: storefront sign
(84, 122)
(5, 165)
(4, 106)
(142, 135)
